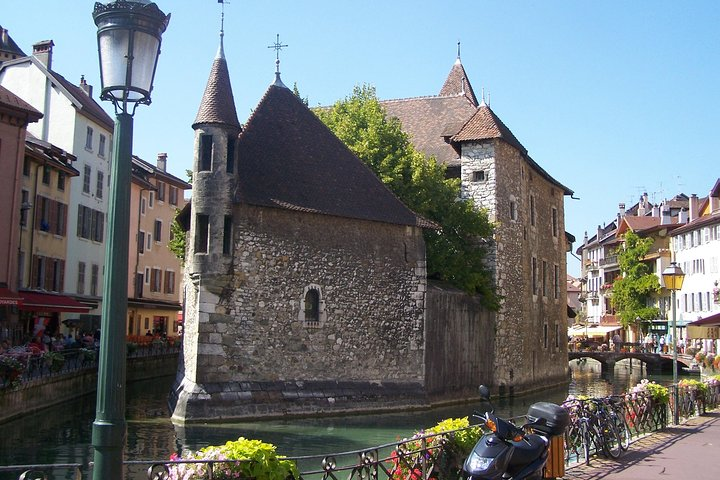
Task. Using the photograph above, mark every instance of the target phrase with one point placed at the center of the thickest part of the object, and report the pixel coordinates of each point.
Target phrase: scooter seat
(527, 450)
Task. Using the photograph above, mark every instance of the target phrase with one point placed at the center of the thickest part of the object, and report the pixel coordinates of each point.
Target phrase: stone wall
(531, 346)
(460, 350)
(254, 348)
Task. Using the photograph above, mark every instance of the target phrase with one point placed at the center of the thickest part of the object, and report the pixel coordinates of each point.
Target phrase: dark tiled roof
(11, 102)
(50, 154)
(90, 107)
(430, 120)
(290, 159)
(218, 104)
(458, 83)
(162, 175)
(8, 45)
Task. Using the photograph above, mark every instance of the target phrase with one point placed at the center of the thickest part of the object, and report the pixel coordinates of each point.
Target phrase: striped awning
(9, 298)
(51, 303)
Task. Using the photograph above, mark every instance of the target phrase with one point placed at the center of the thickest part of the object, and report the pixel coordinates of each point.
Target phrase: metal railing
(422, 457)
(20, 367)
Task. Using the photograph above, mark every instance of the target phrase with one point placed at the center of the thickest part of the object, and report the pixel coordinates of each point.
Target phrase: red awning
(50, 302)
(9, 298)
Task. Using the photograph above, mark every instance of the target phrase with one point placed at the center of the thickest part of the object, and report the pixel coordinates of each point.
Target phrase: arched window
(312, 307)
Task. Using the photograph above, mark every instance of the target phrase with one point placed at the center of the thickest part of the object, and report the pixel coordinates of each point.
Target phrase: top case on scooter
(551, 418)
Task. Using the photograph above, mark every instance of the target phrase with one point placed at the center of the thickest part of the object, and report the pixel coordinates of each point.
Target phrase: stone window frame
(513, 209)
(322, 313)
(554, 222)
(479, 176)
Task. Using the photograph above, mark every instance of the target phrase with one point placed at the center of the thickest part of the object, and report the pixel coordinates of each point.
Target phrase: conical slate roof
(290, 159)
(457, 83)
(218, 104)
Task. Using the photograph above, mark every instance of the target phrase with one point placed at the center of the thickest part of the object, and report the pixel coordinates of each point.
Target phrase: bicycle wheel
(611, 440)
(623, 433)
(586, 442)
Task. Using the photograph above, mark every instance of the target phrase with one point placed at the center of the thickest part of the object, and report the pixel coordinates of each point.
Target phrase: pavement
(689, 450)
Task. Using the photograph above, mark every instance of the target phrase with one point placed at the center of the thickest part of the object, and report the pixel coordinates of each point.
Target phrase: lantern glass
(673, 277)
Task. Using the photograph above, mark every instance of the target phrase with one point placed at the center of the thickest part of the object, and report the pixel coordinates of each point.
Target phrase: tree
(632, 290)
(456, 252)
(178, 236)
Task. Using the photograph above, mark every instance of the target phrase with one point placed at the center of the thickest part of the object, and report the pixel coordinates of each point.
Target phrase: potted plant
(11, 370)
(54, 360)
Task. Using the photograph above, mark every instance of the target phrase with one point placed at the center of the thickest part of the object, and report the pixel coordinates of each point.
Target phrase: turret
(214, 168)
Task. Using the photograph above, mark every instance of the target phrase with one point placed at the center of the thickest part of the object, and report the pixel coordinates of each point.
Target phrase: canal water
(62, 434)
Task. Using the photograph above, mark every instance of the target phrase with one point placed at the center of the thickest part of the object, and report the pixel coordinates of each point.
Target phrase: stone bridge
(655, 362)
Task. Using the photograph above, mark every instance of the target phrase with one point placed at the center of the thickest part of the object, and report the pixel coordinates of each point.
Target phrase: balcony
(610, 261)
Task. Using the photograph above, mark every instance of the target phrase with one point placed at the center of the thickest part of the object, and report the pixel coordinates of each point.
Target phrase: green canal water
(62, 434)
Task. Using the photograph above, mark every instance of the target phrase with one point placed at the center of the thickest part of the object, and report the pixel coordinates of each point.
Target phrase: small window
(554, 222)
(147, 275)
(89, 138)
(101, 145)
(227, 235)
(158, 230)
(46, 175)
(87, 171)
(141, 242)
(151, 199)
(142, 206)
(173, 195)
(24, 207)
(99, 184)
(81, 278)
(544, 278)
(478, 176)
(312, 307)
(532, 210)
(94, 280)
(61, 181)
(545, 335)
(161, 192)
(513, 210)
(205, 153)
(26, 167)
(534, 276)
(230, 168)
(149, 242)
(202, 235)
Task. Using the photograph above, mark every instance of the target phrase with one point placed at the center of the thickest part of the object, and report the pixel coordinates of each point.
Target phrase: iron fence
(422, 457)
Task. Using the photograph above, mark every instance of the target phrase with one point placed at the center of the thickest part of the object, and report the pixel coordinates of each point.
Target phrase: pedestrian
(662, 344)
(616, 342)
(648, 343)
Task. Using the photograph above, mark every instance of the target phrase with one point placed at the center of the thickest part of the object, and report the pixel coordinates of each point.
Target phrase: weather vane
(277, 46)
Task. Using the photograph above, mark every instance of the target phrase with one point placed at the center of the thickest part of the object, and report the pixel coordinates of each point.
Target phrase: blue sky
(612, 98)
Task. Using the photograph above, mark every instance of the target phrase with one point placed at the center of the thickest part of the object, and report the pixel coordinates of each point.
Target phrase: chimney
(4, 36)
(86, 87)
(599, 233)
(43, 52)
(693, 207)
(162, 161)
(585, 239)
(656, 211)
(665, 214)
(683, 216)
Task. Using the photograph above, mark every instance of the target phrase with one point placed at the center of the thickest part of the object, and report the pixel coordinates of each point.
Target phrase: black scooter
(511, 452)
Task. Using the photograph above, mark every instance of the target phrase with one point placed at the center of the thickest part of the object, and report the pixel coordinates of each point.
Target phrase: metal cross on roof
(277, 46)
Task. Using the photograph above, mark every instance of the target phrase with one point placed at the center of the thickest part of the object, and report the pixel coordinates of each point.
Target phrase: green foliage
(54, 360)
(659, 393)
(178, 240)
(464, 439)
(296, 91)
(259, 462)
(631, 291)
(455, 252)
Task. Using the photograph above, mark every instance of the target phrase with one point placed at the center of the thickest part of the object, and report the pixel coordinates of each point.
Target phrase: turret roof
(458, 83)
(218, 104)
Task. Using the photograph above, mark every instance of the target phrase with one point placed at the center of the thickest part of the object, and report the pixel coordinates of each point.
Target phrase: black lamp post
(129, 34)
(673, 277)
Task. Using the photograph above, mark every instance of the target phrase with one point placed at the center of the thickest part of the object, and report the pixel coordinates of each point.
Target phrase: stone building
(527, 206)
(305, 276)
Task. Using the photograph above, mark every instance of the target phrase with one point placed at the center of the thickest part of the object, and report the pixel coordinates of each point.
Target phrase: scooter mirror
(484, 392)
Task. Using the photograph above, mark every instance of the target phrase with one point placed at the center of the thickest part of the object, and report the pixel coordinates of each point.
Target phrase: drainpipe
(34, 219)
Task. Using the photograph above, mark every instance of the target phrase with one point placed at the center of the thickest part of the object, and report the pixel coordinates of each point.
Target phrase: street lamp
(673, 277)
(128, 36)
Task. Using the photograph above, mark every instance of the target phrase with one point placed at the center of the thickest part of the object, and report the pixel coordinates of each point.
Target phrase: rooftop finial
(277, 46)
(221, 50)
(457, 60)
